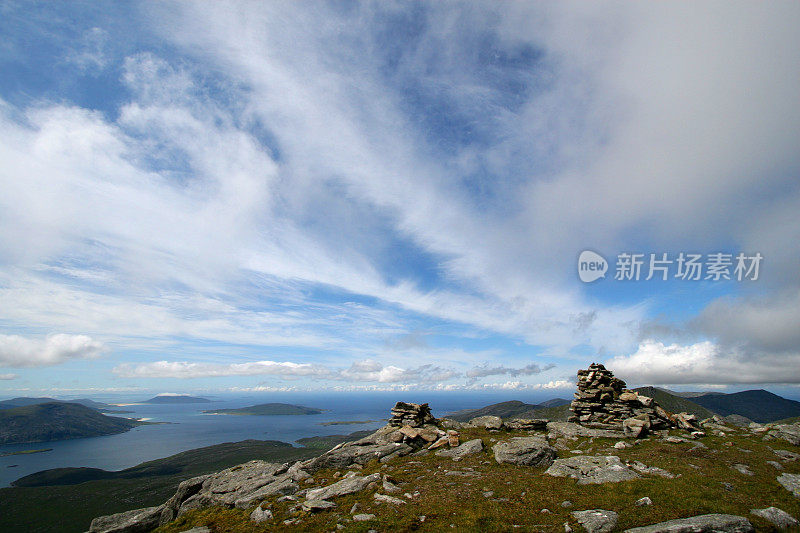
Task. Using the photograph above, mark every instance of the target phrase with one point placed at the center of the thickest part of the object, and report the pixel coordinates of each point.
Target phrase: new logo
(591, 266)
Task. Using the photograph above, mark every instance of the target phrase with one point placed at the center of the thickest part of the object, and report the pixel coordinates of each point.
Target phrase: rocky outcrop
(592, 469)
(526, 451)
(345, 486)
(602, 401)
(136, 521)
(707, 523)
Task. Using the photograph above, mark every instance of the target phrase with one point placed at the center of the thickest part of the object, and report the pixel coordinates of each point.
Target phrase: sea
(186, 427)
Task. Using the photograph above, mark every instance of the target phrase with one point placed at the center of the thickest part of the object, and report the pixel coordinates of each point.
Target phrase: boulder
(136, 521)
(788, 432)
(356, 454)
(260, 515)
(651, 470)
(707, 523)
(488, 422)
(470, 447)
(636, 427)
(571, 429)
(778, 517)
(790, 482)
(527, 451)
(528, 424)
(342, 487)
(317, 505)
(590, 469)
(596, 520)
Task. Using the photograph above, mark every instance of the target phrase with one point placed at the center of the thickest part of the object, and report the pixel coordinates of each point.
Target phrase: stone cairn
(411, 414)
(602, 401)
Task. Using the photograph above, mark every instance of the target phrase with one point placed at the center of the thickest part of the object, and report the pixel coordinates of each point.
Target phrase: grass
(457, 503)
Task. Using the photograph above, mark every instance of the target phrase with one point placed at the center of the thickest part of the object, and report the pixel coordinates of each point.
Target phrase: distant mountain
(57, 421)
(178, 398)
(555, 402)
(503, 410)
(757, 405)
(675, 404)
(267, 409)
(23, 401)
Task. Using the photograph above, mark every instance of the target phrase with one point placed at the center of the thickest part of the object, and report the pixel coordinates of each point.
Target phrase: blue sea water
(189, 428)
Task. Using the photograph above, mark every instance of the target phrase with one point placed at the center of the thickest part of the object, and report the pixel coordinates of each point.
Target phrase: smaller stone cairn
(411, 414)
(602, 401)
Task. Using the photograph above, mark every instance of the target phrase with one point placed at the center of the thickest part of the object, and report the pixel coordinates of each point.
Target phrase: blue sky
(386, 196)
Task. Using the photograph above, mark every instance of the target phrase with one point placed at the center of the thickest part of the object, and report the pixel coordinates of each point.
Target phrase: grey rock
(470, 447)
(260, 515)
(636, 427)
(198, 529)
(527, 451)
(488, 422)
(651, 470)
(778, 517)
(644, 501)
(775, 464)
(790, 482)
(596, 520)
(280, 486)
(136, 521)
(788, 432)
(786, 455)
(356, 454)
(388, 499)
(342, 487)
(707, 523)
(363, 517)
(570, 429)
(590, 469)
(318, 505)
(742, 469)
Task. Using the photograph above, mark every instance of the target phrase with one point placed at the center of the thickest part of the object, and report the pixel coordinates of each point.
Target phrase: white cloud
(703, 363)
(184, 369)
(488, 370)
(17, 351)
(8, 377)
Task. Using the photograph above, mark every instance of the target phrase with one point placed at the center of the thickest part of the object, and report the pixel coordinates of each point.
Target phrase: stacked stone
(411, 414)
(602, 401)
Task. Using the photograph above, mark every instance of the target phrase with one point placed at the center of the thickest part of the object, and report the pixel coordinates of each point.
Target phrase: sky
(352, 196)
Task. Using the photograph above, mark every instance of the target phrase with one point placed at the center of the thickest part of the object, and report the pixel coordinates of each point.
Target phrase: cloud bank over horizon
(394, 195)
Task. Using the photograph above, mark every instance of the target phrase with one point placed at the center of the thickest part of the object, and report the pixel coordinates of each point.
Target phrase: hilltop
(757, 405)
(43, 422)
(267, 409)
(422, 474)
(24, 401)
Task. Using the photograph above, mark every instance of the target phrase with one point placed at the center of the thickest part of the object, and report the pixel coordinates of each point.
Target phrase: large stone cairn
(602, 401)
(411, 414)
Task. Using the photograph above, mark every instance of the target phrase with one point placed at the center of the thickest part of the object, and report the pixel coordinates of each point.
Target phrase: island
(52, 421)
(267, 409)
(176, 398)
